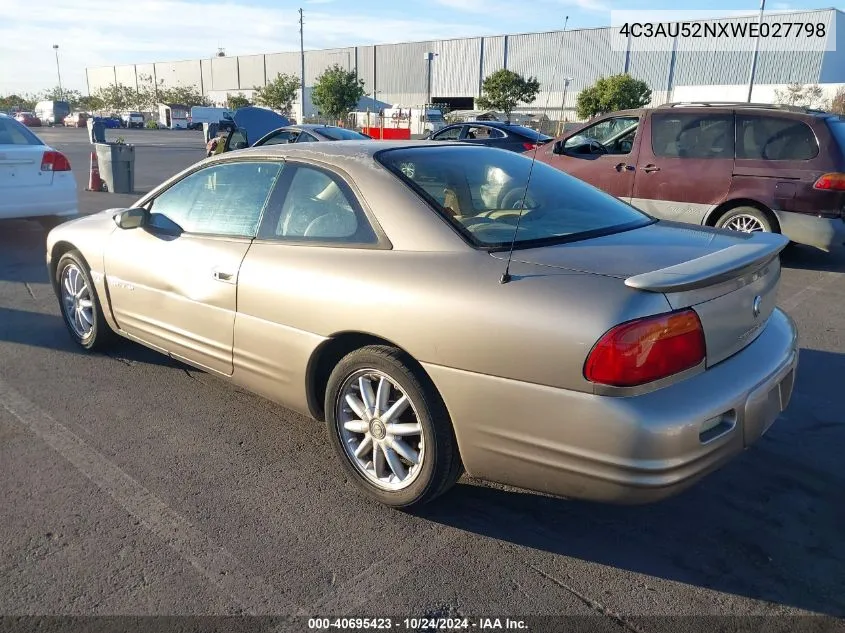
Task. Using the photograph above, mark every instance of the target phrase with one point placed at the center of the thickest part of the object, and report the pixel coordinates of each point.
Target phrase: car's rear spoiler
(729, 263)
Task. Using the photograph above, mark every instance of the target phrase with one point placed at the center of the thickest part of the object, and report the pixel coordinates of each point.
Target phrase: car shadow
(37, 329)
(22, 249)
(768, 526)
(808, 258)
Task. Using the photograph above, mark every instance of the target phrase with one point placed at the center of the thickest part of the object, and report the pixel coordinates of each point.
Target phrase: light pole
(59, 73)
(566, 81)
(429, 57)
(756, 51)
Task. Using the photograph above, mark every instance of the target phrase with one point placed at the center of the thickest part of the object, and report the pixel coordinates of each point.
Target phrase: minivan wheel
(390, 428)
(745, 220)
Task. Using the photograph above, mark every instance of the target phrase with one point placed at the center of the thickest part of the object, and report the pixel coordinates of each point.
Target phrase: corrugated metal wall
(400, 72)
(251, 71)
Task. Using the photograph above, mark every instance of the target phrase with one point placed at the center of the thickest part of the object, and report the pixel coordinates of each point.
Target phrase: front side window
(320, 207)
(223, 199)
(305, 137)
(610, 136)
(679, 135)
(774, 138)
(342, 134)
(480, 190)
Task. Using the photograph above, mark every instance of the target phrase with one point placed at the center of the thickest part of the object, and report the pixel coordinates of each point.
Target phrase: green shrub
(151, 125)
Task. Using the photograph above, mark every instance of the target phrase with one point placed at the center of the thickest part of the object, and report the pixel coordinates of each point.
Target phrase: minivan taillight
(831, 182)
(54, 161)
(645, 350)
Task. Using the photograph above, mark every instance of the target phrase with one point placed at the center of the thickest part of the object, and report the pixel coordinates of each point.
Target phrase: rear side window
(677, 135)
(482, 132)
(774, 138)
(13, 133)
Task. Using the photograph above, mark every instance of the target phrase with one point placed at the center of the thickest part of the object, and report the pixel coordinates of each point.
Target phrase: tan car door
(173, 282)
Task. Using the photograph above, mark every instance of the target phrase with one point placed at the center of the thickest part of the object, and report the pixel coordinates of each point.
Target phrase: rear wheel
(745, 220)
(80, 306)
(390, 428)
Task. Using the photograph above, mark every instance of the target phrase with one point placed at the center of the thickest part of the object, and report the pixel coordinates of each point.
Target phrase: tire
(751, 217)
(434, 445)
(99, 335)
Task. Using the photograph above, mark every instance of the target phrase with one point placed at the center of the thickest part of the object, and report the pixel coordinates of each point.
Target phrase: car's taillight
(648, 349)
(530, 146)
(832, 182)
(54, 161)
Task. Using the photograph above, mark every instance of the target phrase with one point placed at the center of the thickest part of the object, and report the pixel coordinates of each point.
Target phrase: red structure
(389, 133)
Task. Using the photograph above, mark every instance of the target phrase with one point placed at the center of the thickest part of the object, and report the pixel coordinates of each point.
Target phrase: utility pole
(756, 51)
(566, 81)
(302, 69)
(59, 73)
(429, 58)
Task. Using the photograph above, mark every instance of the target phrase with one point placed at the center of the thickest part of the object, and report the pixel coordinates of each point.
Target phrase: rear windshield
(13, 133)
(340, 134)
(480, 190)
(527, 131)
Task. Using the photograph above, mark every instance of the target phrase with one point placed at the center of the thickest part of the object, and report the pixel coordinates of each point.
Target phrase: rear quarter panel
(445, 309)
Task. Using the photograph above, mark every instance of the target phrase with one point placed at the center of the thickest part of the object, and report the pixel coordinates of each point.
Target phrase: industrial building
(451, 71)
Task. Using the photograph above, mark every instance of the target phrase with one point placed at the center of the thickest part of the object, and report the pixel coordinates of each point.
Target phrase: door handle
(624, 166)
(225, 277)
(650, 168)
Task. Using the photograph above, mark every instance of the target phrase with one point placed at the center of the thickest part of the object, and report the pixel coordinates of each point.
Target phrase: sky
(100, 33)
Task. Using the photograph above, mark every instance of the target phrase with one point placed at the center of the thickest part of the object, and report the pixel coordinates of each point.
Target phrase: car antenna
(506, 276)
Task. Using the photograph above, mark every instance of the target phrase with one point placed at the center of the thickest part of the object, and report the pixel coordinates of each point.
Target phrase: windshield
(480, 191)
(340, 134)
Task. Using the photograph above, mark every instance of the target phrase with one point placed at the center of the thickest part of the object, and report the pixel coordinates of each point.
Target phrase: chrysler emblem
(755, 308)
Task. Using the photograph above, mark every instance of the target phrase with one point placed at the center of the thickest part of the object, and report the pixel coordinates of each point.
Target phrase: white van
(202, 114)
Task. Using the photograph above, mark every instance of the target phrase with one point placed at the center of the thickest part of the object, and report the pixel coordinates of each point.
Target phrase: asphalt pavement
(135, 485)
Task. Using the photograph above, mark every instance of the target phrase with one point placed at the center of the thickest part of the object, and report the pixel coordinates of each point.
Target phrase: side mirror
(558, 147)
(240, 145)
(131, 218)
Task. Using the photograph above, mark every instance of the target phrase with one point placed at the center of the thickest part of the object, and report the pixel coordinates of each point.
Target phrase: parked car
(76, 119)
(132, 119)
(745, 167)
(613, 357)
(28, 119)
(36, 180)
(310, 134)
(516, 138)
(112, 121)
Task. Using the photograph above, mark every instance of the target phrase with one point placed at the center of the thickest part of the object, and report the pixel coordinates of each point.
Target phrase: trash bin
(96, 131)
(117, 166)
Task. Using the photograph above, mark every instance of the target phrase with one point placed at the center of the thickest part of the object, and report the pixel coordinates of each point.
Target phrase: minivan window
(774, 138)
(677, 135)
(480, 191)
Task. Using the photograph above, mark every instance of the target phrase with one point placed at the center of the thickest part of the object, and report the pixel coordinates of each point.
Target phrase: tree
(233, 102)
(22, 102)
(279, 93)
(91, 103)
(608, 94)
(505, 89)
(117, 97)
(796, 94)
(58, 94)
(183, 95)
(837, 104)
(337, 91)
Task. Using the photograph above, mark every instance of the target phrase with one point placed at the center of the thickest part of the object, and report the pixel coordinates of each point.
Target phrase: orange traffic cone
(95, 183)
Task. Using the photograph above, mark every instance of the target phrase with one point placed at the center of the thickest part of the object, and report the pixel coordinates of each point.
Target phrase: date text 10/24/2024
(417, 624)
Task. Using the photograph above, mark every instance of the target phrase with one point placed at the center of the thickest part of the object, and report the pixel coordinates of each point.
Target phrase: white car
(36, 181)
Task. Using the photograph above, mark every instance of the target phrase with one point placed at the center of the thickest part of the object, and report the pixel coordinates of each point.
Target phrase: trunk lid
(729, 279)
(20, 166)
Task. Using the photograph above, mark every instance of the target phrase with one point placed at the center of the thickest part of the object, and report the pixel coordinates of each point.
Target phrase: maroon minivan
(746, 167)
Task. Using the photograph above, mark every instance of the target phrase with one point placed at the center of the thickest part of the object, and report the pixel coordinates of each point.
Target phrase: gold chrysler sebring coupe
(447, 308)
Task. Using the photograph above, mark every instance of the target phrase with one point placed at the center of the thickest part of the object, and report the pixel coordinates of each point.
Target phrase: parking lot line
(252, 593)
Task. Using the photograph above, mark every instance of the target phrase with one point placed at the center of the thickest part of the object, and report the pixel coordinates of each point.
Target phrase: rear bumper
(629, 450)
(826, 234)
(58, 199)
